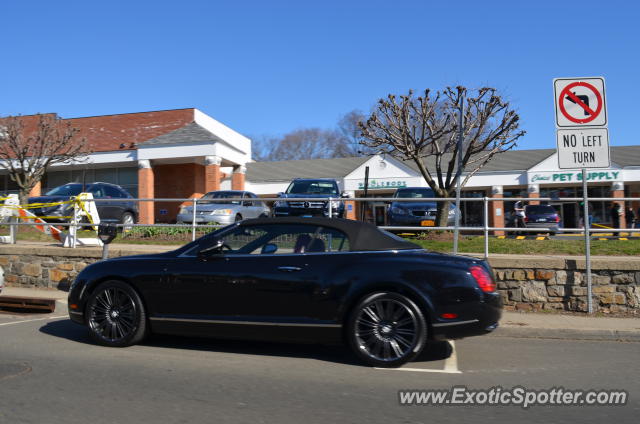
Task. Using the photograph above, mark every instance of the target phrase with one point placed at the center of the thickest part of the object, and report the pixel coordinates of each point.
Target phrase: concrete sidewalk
(567, 326)
(513, 324)
(59, 296)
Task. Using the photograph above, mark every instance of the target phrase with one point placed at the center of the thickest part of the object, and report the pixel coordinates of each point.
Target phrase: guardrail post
(12, 229)
(485, 203)
(330, 209)
(73, 229)
(193, 219)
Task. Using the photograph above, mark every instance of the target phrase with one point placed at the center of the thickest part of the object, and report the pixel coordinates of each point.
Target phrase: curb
(567, 334)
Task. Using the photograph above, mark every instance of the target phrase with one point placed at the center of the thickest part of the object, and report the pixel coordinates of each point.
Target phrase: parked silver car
(224, 212)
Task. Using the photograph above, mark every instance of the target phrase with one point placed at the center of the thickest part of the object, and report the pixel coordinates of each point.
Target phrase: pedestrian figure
(630, 217)
(615, 213)
(518, 212)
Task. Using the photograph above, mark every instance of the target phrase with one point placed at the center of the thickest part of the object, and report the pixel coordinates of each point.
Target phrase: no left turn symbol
(580, 102)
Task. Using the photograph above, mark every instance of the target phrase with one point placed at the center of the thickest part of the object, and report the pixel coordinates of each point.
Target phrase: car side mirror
(211, 251)
(344, 195)
(269, 248)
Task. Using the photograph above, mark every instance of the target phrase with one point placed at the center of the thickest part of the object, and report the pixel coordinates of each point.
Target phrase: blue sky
(268, 67)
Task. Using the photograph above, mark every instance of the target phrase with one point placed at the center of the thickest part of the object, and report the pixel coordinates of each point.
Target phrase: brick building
(181, 153)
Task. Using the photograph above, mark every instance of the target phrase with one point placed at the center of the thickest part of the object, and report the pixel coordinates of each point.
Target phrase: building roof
(512, 160)
(109, 132)
(625, 155)
(190, 133)
(311, 168)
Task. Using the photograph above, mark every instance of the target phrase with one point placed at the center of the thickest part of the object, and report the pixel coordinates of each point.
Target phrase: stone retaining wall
(526, 283)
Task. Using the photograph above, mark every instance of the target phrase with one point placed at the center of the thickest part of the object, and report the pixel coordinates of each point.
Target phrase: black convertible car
(306, 279)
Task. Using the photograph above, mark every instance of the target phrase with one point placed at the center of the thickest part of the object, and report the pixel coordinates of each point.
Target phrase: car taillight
(483, 278)
(557, 218)
(525, 219)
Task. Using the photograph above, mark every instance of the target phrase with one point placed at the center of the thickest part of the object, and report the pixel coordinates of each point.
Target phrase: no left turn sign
(580, 102)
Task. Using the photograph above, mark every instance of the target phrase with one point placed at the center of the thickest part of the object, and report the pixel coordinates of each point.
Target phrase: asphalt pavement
(50, 372)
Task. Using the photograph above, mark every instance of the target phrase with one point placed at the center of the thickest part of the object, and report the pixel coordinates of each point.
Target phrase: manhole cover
(8, 370)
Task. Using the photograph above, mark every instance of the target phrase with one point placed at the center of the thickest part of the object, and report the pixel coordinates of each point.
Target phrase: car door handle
(289, 268)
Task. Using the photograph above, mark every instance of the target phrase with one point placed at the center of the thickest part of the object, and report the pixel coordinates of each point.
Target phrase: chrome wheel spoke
(374, 317)
(396, 348)
(380, 309)
(403, 341)
(405, 321)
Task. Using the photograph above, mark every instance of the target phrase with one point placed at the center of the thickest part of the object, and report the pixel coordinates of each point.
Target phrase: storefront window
(127, 178)
(472, 212)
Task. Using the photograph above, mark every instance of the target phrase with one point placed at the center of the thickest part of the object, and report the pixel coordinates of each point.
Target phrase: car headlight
(335, 204)
(278, 204)
(398, 211)
(222, 212)
(183, 210)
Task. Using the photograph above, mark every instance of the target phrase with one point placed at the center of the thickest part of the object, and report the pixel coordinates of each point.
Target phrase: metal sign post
(587, 237)
(582, 140)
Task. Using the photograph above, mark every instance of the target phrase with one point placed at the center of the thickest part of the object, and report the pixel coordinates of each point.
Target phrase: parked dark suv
(321, 189)
(124, 211)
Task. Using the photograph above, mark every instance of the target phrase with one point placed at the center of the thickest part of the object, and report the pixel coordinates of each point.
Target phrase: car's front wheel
(386, 330)
(115, 315)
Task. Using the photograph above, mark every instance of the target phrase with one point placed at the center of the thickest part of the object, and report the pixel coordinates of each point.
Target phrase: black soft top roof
(362, 236)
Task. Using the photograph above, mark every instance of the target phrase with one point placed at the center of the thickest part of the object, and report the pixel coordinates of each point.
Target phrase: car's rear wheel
(386, 330)
(115, 315)
(238, 218)
(127, 220)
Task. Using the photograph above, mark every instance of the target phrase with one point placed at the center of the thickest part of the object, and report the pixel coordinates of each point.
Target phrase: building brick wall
(185, 180)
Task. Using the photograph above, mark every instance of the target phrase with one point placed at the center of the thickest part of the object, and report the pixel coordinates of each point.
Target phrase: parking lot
(50, 372)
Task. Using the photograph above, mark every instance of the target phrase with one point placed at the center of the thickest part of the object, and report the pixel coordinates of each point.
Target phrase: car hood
(209, 207)
(309, 196)
(415, 205)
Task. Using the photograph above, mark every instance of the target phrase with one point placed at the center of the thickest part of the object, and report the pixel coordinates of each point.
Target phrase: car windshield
(66, 190)
(313, 187)
(222, 195)
(539, 210)
(415, 193)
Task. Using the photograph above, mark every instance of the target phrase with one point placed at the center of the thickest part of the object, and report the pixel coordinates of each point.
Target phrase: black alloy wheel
(115, 315)
(386, 330)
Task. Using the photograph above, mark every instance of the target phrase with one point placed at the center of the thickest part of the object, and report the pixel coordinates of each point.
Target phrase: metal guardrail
(485, 228)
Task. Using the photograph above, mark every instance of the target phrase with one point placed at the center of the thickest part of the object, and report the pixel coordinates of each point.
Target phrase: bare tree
(31, 144)
(304, 143)
(424, 130)
(349, 129)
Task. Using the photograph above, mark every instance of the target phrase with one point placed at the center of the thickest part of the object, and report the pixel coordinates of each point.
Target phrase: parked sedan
(419, 213)
(224, 211)
(312, 279)
(119, 210)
